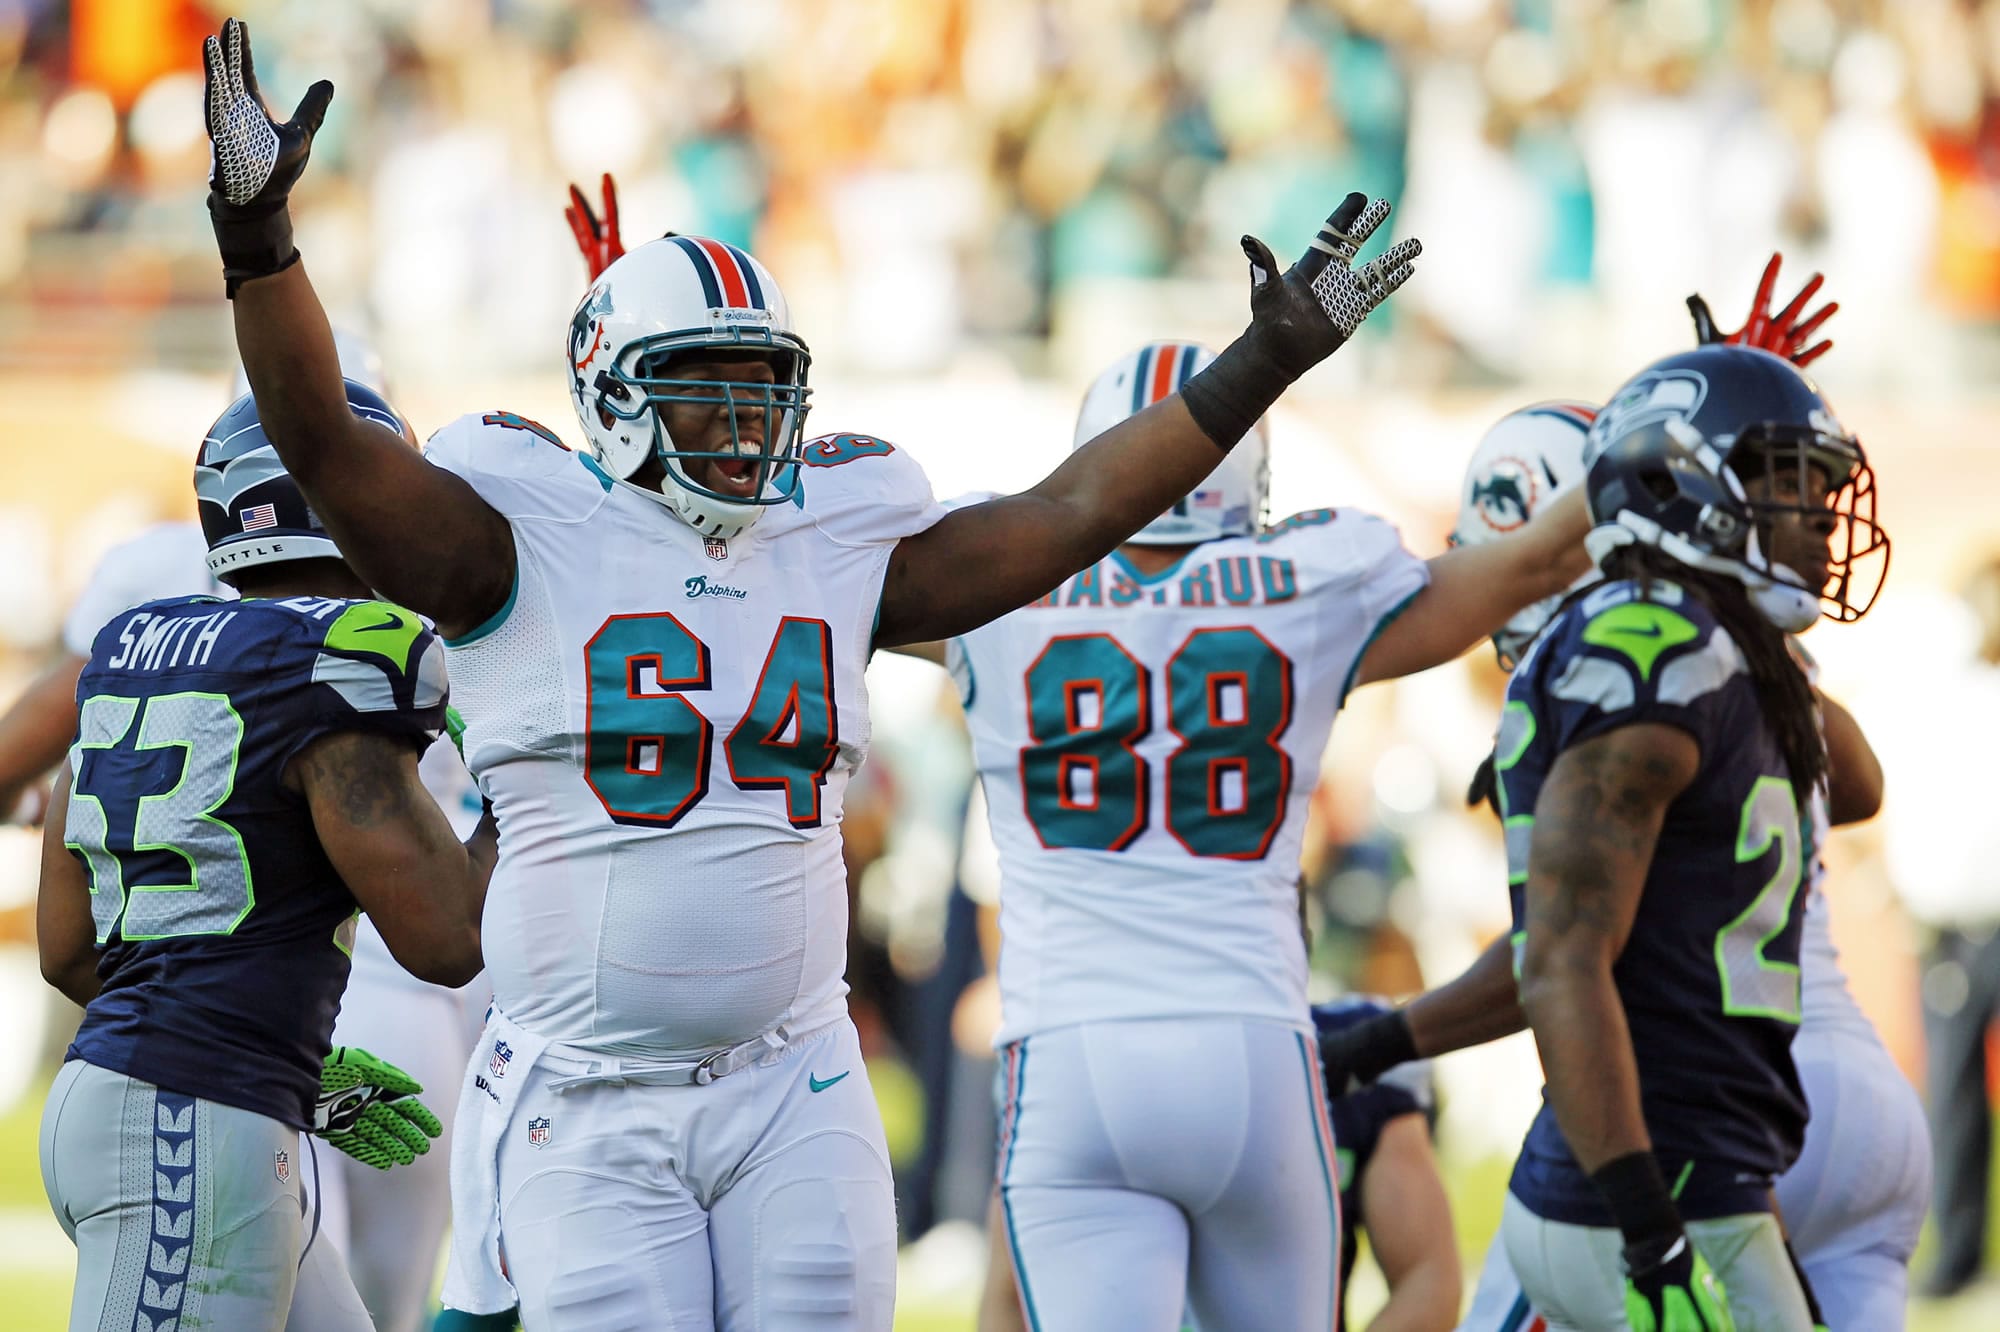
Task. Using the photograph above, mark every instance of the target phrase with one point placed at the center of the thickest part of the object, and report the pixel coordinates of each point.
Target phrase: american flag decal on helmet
(1163, 368)
(728, 278)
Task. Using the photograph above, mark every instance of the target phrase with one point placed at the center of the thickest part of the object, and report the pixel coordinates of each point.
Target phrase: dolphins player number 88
(1229, 702)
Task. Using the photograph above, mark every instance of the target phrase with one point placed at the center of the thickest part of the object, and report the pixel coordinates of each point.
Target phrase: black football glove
(254, 161)
(1354, 1056)
(1298, 318)
(1302, 316)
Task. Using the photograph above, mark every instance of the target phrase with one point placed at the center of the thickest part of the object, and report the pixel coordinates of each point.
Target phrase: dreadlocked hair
(1783, 693)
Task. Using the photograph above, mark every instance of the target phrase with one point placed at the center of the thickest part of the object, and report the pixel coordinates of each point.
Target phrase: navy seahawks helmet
(1701, 452)
(252, 512)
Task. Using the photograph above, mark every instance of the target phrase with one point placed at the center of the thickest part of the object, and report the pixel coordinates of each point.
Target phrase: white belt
(684, 1073)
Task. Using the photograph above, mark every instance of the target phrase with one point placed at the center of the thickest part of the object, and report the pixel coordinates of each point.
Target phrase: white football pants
(758, 1203)
(1856, 1197)
(1151, 1167)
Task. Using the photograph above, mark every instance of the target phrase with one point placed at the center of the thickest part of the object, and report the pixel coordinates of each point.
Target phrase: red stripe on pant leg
(733, 289)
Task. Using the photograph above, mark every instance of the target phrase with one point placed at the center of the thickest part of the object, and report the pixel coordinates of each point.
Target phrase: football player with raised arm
(659, 648)
(389, 1225)
(1148, 734)
(244, 777)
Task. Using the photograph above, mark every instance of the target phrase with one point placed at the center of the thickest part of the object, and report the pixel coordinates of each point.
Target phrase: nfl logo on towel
(260, 516)
(502, 1052)
(717, 547)
(538, 1132)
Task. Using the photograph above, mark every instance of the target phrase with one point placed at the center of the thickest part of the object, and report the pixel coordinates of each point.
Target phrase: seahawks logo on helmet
(1657, 395)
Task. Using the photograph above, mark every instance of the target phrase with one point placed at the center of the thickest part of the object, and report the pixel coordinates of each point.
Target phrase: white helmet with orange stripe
(1526, 459)
(664, 300)
(1231, 501)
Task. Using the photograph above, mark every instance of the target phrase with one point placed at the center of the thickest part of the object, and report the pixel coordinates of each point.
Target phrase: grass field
(37, 1262)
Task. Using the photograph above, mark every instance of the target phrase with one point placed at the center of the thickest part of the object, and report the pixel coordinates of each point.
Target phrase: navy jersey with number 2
(1709, 977)
(223, 927)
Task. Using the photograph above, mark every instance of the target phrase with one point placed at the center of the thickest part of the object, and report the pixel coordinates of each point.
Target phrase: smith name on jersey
(1709, 977)
(224, 928)
(665, 724)
(1149, 799)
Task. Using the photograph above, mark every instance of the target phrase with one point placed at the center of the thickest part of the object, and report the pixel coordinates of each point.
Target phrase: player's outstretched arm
(1481, 1004)
(65, 934)
(983, 560)
(417, 534)
(36, 730)
(1597, 822)
(1853, 772)
(1409, 1230)
(1474, 590)
(394, 848)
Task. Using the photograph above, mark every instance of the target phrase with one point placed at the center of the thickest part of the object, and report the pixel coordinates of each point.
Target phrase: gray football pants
(1573, 1277)
(185, 1213)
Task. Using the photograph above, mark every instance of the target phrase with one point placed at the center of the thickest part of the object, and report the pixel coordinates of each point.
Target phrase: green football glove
(369, 1109)
(1677, 1292)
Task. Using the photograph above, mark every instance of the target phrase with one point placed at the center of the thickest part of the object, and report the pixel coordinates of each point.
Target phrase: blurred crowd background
(974, 205)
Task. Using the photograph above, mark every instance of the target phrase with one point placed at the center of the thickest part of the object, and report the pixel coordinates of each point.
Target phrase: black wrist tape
(255, 242)
(1229, 397)
(1636, 1192)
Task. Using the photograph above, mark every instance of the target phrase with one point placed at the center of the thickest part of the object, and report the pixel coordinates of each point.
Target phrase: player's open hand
(369, 1109)
(1302, 315)
(254, 160)
(1787, 333)
(1676, 1292)
(596, 239)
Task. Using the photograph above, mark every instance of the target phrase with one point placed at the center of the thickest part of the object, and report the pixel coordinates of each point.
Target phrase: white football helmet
(688, 294)
(1526, 459)
(1231, 501)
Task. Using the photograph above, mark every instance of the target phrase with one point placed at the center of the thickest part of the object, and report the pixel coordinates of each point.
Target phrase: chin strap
(1786, 604)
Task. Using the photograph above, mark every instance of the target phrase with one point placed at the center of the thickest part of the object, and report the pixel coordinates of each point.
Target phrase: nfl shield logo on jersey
(717, 547)
(502, 1052)
(538, 1132)
(281, 1164)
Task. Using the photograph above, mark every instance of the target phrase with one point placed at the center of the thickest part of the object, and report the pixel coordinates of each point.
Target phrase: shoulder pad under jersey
(519, 466)
(1618, 647)
(860, 490)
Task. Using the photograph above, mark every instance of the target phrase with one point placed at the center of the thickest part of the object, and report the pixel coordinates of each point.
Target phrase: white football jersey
(665, 724)
(1148, 747)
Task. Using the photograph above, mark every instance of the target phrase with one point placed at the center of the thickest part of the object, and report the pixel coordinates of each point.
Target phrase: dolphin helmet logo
(1505, 495)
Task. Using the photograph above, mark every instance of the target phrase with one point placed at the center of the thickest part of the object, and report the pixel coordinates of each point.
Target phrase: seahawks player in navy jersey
(1389, 1185)
(1657, 750)
(243, 779)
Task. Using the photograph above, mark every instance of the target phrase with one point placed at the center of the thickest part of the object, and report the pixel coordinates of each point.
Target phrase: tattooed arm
(1596, 822)
(394, 848)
